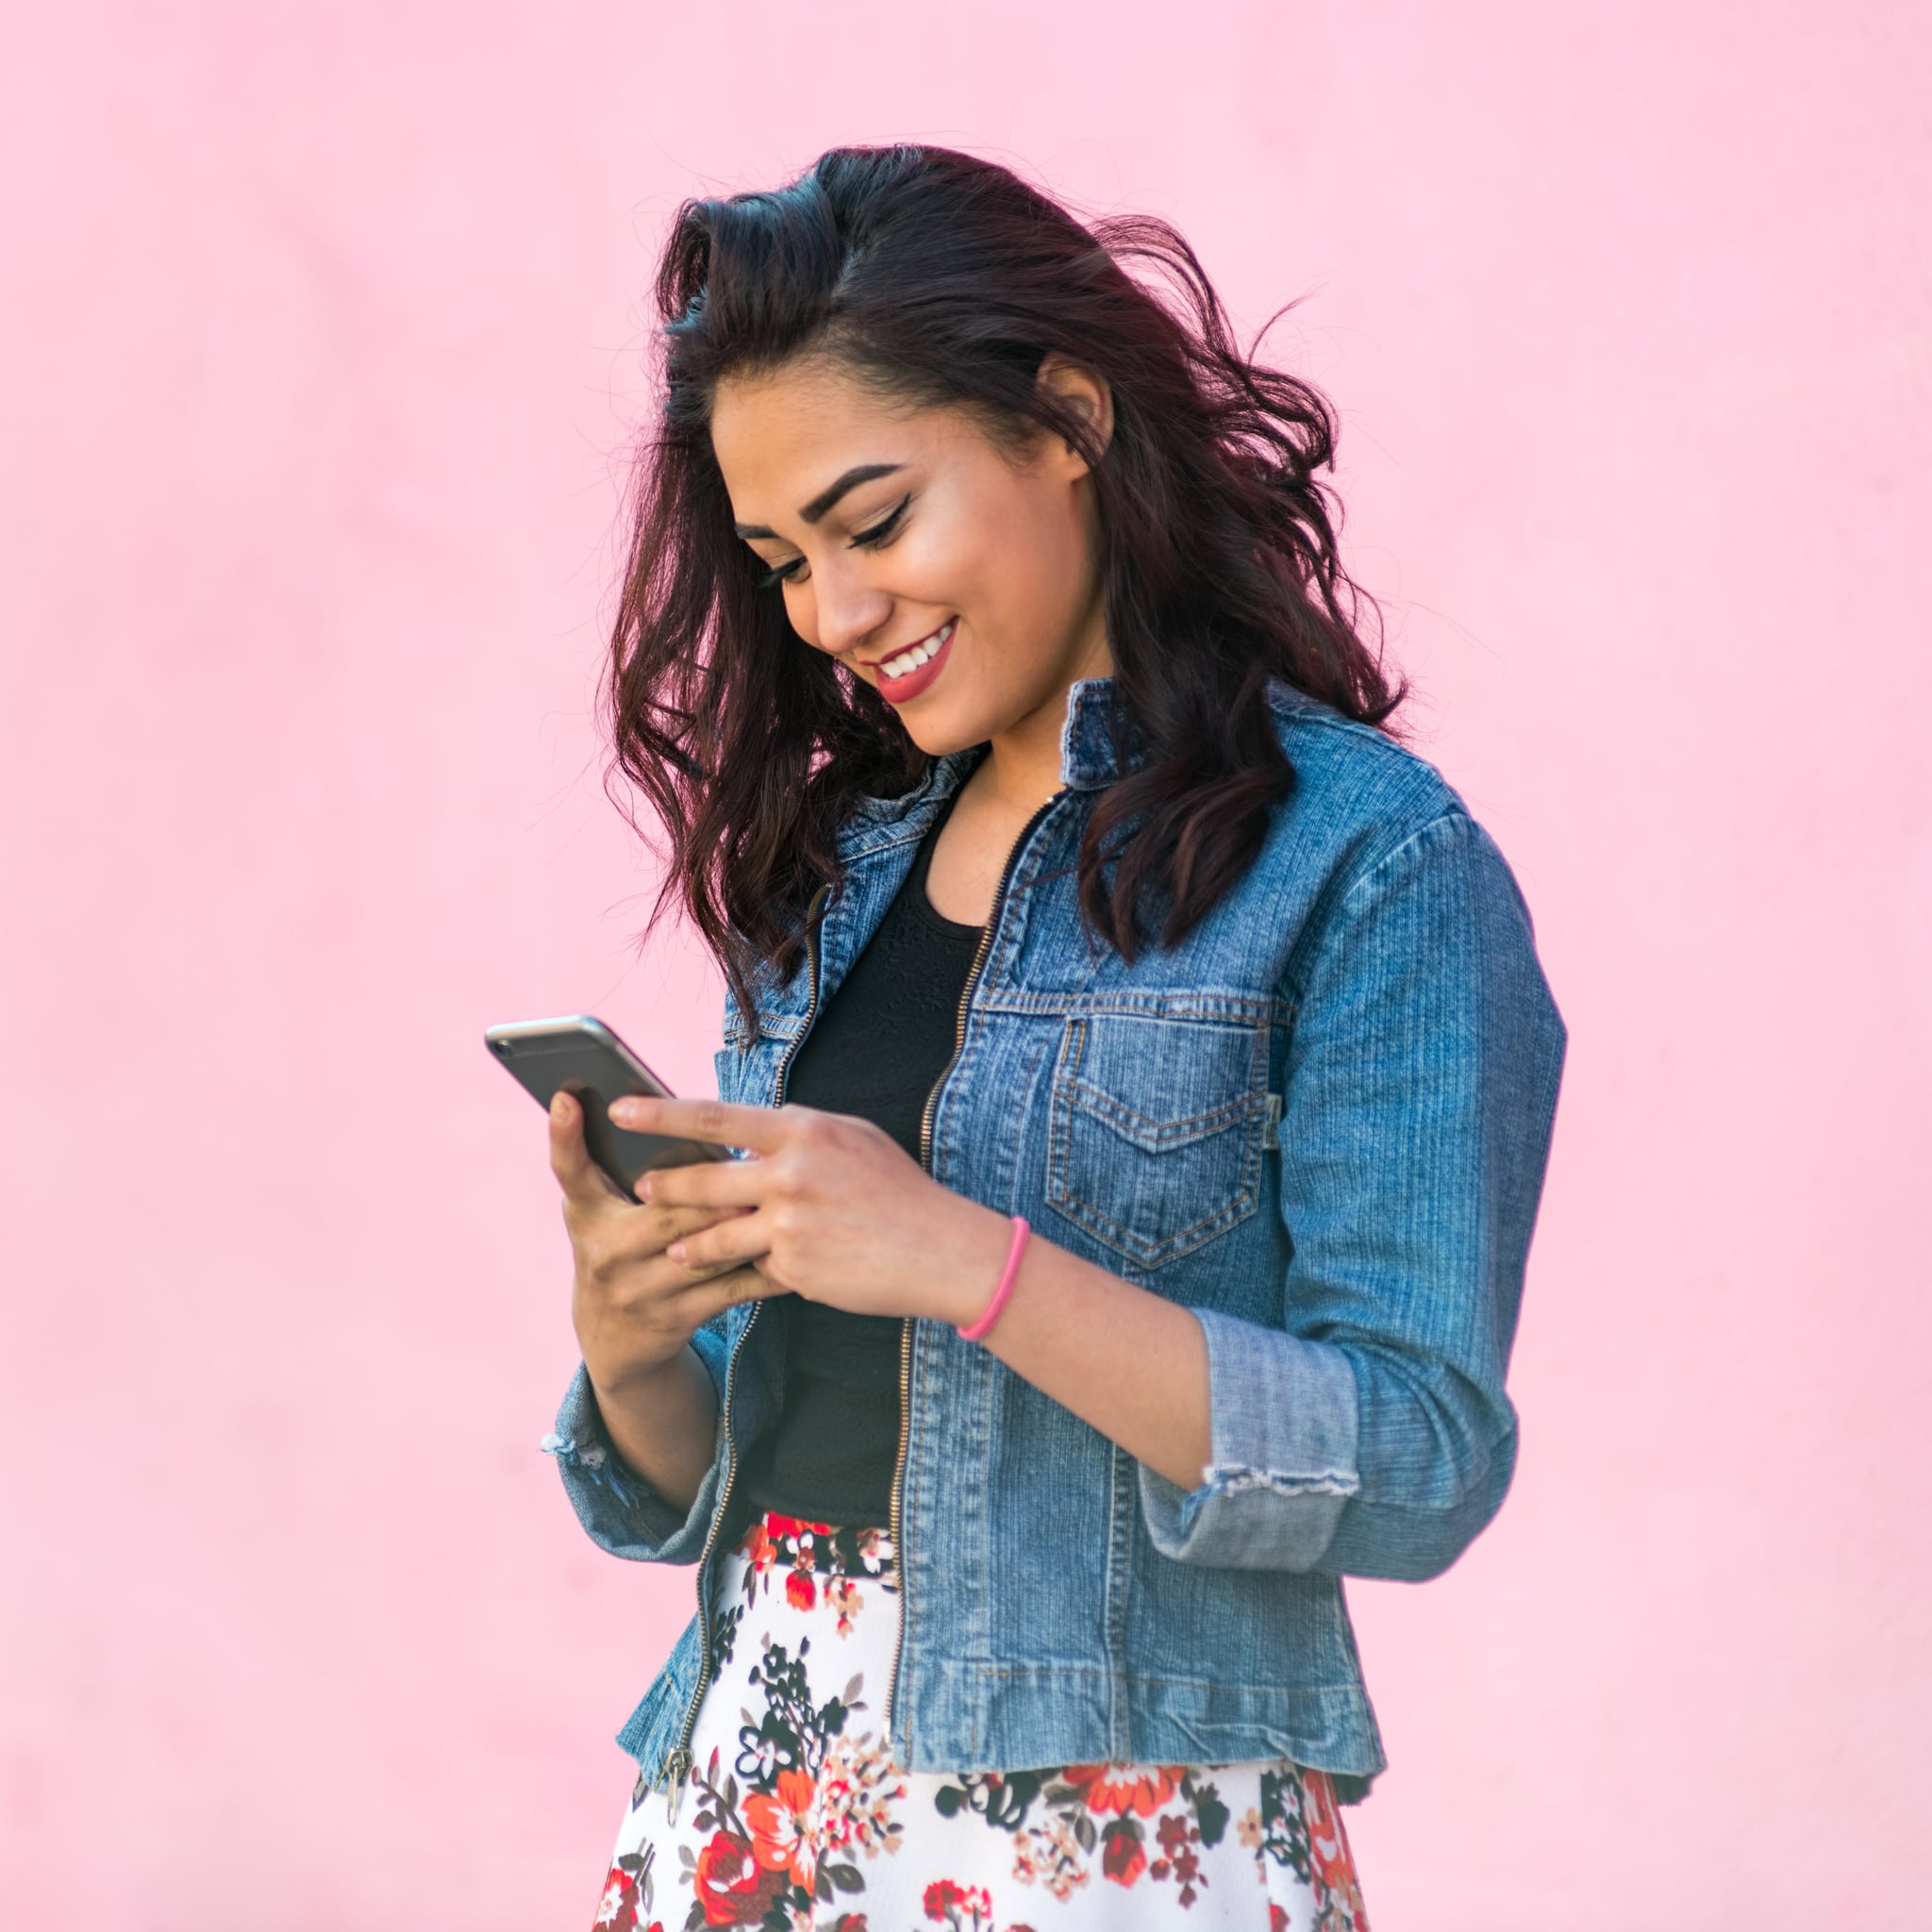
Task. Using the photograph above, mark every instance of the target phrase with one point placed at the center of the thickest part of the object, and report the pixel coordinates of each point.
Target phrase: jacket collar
(1088, 763)
(1088, 760)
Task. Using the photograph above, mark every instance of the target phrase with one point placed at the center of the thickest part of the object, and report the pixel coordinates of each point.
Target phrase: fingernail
(645, 1182)
(677, 1252)
(559, 1105)
(621, 1111)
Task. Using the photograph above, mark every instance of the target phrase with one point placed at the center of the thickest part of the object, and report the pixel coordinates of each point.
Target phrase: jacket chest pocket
(1156, 1131)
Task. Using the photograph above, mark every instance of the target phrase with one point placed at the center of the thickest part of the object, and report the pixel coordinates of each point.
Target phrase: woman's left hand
(838, 1213)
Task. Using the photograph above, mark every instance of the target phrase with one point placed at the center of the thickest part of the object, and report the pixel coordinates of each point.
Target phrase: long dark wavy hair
(944, 279)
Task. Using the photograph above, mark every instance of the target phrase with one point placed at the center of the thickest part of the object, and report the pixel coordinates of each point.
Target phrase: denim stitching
(1157, 1135)
(1156, 1006)
(1005, 1673)
(1065, 1199)
(1137, 1249)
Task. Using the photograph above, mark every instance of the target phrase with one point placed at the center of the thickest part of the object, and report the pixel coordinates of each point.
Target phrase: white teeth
(908, 661)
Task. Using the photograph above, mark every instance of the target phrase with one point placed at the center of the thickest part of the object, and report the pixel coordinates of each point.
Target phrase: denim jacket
(1321, 1122)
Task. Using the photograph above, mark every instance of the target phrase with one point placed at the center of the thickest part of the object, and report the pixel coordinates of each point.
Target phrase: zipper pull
(677, 1772)
(1271, 1128)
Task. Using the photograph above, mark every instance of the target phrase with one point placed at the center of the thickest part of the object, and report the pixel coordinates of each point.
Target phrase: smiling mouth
(906, 674)
(908, 661)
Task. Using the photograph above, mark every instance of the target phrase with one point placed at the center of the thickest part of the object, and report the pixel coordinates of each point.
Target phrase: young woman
(1142, 1071)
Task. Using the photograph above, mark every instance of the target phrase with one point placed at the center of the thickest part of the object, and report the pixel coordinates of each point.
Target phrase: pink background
(321, 340)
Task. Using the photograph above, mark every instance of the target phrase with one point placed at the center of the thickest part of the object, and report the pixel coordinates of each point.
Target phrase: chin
(938, 729)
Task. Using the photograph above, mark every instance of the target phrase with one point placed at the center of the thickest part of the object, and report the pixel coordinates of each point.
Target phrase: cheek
(1034, 577)
(1011, 556)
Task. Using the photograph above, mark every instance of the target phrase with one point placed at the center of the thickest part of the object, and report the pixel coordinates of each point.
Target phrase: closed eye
(874, 537)
(885, 529)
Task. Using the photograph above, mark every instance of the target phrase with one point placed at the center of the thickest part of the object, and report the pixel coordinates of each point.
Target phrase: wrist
(982, 1274)
(964, 1288)
(634, 1382)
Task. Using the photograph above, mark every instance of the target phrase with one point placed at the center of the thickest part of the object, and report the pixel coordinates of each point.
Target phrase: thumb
(582, 1180)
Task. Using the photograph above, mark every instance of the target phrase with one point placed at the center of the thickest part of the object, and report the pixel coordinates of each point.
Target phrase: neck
(1021, 767)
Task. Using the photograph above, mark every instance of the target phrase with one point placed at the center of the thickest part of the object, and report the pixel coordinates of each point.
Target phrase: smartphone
(583, 1057)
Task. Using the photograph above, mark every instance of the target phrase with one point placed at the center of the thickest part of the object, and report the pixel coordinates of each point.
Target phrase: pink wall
(324, 328)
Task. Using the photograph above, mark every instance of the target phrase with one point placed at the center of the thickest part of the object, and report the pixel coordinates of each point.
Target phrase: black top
(880, 1044)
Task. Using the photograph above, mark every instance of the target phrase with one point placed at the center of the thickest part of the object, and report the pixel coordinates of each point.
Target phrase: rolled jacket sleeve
(622, 1512)
(1370, 1434)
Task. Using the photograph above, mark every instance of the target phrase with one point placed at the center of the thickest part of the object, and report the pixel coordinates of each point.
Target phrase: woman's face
(958, 579)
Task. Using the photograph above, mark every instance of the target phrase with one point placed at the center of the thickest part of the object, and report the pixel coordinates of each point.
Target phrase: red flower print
(1277, 1919)
(842, 1593)
(732, 1885)
(617, 1911)
(781, 1828)
(1327, 1842)
(758, 1547)
(1141, 1788)
(1122, 1858)
(1179, 1859)
(794, 1525)
(947, 1904)
(835, 1823)
(799, 1591)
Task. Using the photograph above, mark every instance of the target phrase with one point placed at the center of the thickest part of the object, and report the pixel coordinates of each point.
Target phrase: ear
(1090, 398)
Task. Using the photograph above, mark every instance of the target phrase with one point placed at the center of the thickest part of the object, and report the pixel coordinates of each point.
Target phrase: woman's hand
(835, 1210)
(830, 1207)
(634, 1306)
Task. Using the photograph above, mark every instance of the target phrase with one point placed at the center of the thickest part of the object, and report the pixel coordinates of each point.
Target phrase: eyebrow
(822, 502)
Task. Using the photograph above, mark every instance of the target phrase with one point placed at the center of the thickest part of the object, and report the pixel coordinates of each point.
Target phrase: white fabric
(794, 1816)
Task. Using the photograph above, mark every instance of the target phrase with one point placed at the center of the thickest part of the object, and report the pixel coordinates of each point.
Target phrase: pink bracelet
(1003, 1293)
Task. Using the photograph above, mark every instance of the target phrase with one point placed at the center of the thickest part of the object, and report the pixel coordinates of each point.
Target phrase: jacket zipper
(979, 952)
(677, 1766)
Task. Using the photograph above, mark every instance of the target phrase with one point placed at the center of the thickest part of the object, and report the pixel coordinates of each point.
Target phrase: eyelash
(880, 534)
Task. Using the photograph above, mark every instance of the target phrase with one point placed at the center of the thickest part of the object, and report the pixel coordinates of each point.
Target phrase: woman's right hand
(633, 1309)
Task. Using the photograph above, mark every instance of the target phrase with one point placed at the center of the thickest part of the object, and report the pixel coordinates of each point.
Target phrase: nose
(847, 608)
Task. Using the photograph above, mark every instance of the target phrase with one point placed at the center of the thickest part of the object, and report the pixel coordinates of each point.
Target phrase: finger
(697, 1280)
(582, 1180)
(642, 1234)
(727, 1291)
(668, 1223)
(705, 1184)
(759, 1128)
(742, 1238)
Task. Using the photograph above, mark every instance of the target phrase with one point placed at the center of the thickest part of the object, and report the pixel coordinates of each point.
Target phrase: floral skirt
(794, 1816)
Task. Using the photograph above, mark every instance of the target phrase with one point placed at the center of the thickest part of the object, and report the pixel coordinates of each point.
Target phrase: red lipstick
(899, 690)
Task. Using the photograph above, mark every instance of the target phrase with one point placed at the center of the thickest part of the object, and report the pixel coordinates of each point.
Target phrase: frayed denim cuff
(1284, 1421)
(622, 1511)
